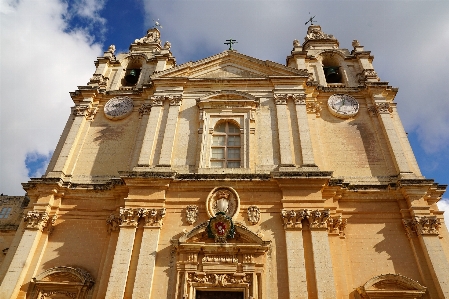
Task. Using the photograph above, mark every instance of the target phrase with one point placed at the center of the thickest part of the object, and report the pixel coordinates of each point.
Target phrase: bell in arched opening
(132, 76)
(332, 74)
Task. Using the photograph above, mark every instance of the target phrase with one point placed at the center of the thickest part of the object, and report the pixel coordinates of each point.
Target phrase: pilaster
(308, 159)
(170, 131)
(284, 130)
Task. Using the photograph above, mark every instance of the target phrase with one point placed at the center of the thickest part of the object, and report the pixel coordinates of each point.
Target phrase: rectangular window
(4, 213)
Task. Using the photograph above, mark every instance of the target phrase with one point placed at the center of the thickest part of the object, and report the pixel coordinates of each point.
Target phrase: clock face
(343, 105)
(118, 108)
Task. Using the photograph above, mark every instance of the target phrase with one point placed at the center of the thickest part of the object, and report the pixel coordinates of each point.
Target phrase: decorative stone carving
(90, 113)
(223, 199)
(379, 108)
(129, 216)
(157, 100)
(118, 108)
(152, 36)
(220, 259)
(113, 222)
(299, 99)
(253, 214)
(37, 220)
(315, 33)
(111, 49)
(337, 225)
(99, 79)
(167, 45)
(175, 100)
(422, 225)
(153, 217)
(219, 280)
(80, 110)
(313, 107)
(145, 109)
(280, 99)
(318, 219)
(191, 213)
(296, 43)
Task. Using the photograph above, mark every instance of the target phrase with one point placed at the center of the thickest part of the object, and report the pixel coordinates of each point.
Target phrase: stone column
(150, 138)
(383, 110)
(304, 131)
(35, 223)
(74, 130)
(147, 255)
(427, 231)
(120, 266)
(170, 130)
(284, 131)
(296, 266)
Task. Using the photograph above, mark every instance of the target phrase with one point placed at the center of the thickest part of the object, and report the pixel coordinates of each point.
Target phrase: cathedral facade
(231, 177)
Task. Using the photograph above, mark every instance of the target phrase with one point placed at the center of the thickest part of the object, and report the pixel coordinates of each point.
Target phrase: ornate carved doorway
(218, 295)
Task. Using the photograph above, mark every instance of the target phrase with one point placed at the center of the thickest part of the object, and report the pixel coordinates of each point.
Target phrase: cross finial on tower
(311, 20)
(230, 42)
(157, 24)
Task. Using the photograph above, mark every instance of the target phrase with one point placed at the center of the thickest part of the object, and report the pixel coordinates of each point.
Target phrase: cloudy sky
(48, 47)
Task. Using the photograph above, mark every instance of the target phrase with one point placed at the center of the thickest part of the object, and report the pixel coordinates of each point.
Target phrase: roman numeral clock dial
(343, 105)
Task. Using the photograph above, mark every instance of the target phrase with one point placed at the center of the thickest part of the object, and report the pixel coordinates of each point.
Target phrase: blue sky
(48, 48)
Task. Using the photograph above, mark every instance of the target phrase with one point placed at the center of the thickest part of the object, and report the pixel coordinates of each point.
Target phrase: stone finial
(167, 45)
(357, 47)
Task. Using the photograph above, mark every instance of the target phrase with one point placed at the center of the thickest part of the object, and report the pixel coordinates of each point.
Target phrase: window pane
(219, 140)
(234, 164)
(4, 213)
(233, 140)
(216, 164)
(233, 153)
(218, 153)
(220, 127)
(233, 128)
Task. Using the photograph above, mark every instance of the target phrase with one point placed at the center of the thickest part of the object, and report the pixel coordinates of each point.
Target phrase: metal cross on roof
(311, 20)
(157, 24)
(230, 42)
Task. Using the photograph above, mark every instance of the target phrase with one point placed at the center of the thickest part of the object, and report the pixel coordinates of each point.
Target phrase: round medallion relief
(223, 199)
(118, 108)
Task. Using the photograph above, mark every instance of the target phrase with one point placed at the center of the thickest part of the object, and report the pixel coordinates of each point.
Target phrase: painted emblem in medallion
(220, 228)
(224, 200)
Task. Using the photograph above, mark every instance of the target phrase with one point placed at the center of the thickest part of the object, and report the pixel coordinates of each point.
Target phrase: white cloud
(41, 61)
(443, 205)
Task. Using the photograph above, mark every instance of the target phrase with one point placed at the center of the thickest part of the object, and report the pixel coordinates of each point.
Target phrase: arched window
(226, 148)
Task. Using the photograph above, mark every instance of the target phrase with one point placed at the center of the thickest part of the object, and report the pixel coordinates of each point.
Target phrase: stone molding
(130, 217)
(317, 219)
(253, 213)
(219, 280)
(191, 214)
(39, 220)
(422, 226)
(220, 259)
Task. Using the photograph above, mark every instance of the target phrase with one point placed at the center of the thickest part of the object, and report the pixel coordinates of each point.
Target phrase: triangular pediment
(229, 64)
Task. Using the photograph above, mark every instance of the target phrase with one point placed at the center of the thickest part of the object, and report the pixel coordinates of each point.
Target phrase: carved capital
(191, 213)
(79, 110)
(153, 217)
(90, 113)
(280, 99)
(39, 220)
(337, 225)
(129, 216)
(253, 214)
(145, 109)
(299, 99)
(422, 226)
(157, 100)
(380, 108)
(175, 100)
(318, 219)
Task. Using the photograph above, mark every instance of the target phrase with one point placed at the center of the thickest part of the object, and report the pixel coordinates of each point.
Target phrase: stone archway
(233, 269)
